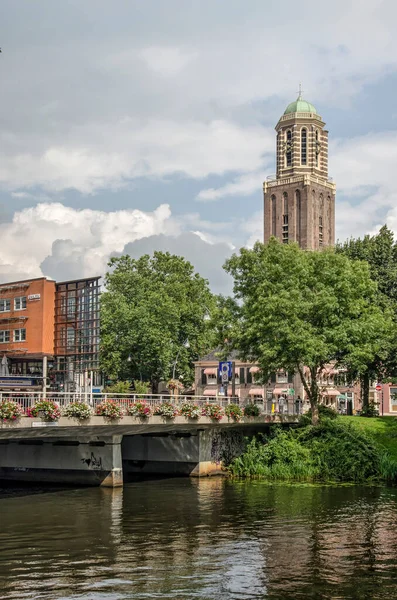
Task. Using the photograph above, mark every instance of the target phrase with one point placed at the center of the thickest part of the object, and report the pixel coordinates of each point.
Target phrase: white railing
(28, 399)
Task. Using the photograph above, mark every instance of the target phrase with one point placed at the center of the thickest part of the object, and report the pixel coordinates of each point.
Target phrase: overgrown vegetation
(334, 450)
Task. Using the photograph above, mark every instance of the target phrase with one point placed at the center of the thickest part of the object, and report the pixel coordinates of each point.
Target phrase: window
(316, 149)
(320, 231)
(4, 337)
(20, 303)
(19, 335)
(70, 338)
(274, 215)
(282, 377)
(288, 149)
(285, 218)
(5, 305)
(303, 147)
(242, 375)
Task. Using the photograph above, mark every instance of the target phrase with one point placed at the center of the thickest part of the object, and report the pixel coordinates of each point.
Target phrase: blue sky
(133, 126)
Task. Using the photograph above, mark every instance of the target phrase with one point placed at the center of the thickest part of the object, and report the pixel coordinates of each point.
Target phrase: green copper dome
(300, 106)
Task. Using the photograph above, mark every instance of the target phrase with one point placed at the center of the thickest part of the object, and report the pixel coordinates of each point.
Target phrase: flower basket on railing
(139, 409)
(252, 410)
(175, 387)
(213, 411)
(166, 410)
(77, 410)
(190, 411)
(233, 411)
(10, 410)
(45, 409)
(109, 409)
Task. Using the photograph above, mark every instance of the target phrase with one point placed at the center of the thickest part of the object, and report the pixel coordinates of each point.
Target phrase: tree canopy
(380, 252)
(154, 318)
(295, 308)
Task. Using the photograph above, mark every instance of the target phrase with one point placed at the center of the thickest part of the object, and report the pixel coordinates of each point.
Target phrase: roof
(300, 106)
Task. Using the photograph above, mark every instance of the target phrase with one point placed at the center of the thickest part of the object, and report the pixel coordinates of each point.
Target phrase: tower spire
(300, 92)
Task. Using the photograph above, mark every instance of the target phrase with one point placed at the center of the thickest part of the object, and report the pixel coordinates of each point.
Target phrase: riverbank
(343, 449)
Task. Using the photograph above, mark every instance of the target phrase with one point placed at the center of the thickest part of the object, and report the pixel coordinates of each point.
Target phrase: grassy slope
(383, 430)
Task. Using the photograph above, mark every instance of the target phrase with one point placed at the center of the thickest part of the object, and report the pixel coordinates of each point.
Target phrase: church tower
(299, 202)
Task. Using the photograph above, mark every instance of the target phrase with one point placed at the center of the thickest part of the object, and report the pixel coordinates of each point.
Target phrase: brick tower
(299, 203)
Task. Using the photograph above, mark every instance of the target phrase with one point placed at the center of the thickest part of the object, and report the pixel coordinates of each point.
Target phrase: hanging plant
(166, 410)
(139, 409)
(10, 410)
(233, 411)
(109, 409)
(190, 411)
(213, 411)
(77, 410)
(46, 409)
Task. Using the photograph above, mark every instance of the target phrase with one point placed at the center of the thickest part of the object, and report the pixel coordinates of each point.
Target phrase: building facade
(299, 201)
(50, 332)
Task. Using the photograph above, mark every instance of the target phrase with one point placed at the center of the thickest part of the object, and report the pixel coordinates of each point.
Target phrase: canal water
(211, 539)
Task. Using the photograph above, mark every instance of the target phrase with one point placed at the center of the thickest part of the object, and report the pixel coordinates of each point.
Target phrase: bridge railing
(28, 399)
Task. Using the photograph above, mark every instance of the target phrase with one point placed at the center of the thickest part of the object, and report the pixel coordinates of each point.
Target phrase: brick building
(299, 201)
(50, 330)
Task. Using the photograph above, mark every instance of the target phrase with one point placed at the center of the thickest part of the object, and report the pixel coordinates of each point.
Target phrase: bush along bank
(330, 451)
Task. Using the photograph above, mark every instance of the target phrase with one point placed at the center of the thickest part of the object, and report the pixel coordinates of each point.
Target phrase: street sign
(378, 387)
(225, 370)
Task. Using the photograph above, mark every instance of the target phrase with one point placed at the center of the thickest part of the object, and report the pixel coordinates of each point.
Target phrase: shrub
(213, 411)
(119, 387)
(10, 410)
(370, 411)
(77, 410)
(139, 409)
(141, 387)
(190, 411)
(166, 410)
(252, 410)
(50, 411)
(233, 411)
(109, 409)
(324, 412)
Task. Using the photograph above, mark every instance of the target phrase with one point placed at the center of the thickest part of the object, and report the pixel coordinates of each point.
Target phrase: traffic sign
(225, 370)
(378, 387)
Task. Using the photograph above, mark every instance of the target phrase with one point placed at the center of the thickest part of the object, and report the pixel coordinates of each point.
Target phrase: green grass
(382, 429)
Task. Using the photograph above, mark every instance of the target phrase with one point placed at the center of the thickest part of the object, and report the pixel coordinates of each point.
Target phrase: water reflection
(213, 538)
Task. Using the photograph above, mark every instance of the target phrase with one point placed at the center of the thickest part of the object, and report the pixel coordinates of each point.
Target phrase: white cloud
(49, 237)
(242, 186)
(166, 60)
(108, 155)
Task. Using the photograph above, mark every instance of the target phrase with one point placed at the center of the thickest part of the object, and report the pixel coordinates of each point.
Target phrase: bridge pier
(87, 461)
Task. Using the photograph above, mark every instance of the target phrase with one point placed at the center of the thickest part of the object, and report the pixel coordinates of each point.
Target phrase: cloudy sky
(131, 125)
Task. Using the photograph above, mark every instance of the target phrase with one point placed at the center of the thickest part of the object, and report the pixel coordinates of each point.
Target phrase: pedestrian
(298, 405)
(281, 404)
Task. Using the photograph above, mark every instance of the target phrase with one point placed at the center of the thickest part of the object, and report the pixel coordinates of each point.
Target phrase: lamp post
(184, 345)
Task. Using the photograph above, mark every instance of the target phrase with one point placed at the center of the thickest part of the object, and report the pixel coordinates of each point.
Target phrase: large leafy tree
(296, 309)
(155, 317)
(380, 252)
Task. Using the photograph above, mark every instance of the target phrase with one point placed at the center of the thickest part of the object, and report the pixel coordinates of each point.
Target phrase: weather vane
(300, 92)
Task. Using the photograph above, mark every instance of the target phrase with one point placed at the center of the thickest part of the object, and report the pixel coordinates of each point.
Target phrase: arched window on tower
(316, 148)
(274, 214)
(320, 221)
(298, 215)
(288, 149)
(304, 146)
(285, 218)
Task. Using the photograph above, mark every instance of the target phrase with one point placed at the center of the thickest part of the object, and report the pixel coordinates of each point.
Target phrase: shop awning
(210, 371)
(229, 391)
(280, 390)
(254, 369)
(331, 392)
(256, 391)
(209, 392)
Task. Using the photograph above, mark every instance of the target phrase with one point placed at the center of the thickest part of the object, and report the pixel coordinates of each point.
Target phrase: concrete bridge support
(196, 453)
(86, 461)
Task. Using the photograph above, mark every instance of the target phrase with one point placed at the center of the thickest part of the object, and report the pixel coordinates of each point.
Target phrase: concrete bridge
(101, 451)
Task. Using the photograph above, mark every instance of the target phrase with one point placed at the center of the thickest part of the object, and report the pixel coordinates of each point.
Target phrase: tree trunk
(314, 396)
(315, 413)
(365, 391)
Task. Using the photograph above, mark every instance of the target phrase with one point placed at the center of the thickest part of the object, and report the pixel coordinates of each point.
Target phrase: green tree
(380, 252)
(154, 318)
(296, 309)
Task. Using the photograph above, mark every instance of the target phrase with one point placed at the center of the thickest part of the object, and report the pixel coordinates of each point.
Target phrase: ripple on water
(214, 538)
